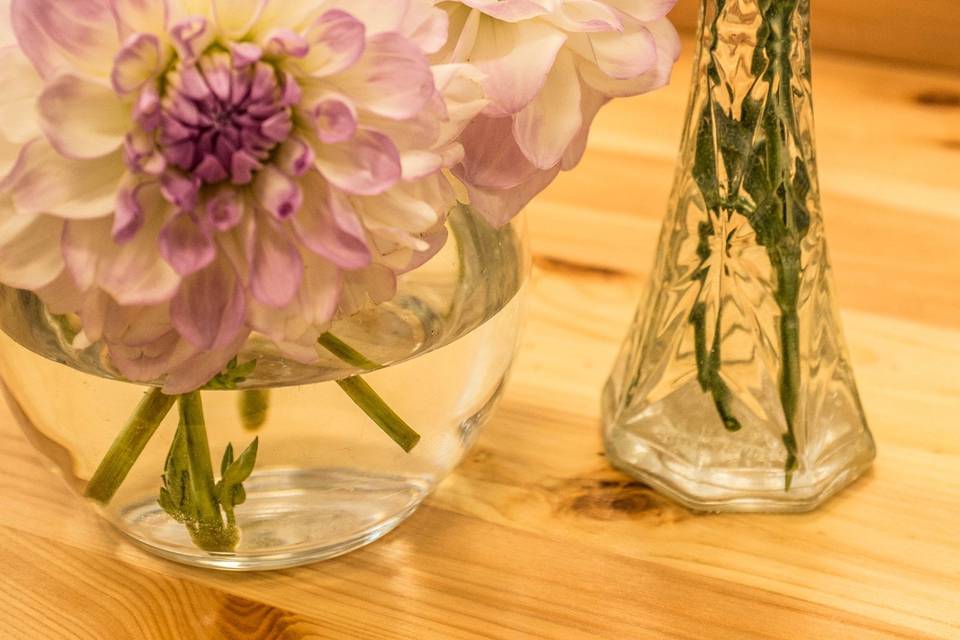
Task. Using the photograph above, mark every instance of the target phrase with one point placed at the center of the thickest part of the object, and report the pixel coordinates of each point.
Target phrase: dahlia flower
(549, 66)
(180, 173)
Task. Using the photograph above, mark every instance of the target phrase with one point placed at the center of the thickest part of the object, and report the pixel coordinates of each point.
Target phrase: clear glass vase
(734, 391)
(326, 479)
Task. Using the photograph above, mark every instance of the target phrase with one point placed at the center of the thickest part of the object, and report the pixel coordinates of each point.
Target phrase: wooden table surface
(534, 536)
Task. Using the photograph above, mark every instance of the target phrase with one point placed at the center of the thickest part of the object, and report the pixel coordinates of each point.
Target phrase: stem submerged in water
(377, 410)
(365, 397)
(128, 446)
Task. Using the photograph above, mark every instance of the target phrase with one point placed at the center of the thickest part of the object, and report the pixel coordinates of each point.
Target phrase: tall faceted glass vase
(734, 390)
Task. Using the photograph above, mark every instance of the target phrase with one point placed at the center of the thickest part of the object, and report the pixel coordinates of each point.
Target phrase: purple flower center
(222, 118)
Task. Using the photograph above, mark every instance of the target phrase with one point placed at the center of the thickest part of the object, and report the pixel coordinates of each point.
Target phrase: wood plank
(922, 31)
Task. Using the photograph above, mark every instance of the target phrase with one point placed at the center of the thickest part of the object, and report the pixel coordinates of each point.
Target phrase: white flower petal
(46, 182)
(547, 126)
(31, 259)
(83, 119)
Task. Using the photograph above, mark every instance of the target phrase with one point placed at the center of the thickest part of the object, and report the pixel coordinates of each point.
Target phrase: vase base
(291, 517)
(721, 489)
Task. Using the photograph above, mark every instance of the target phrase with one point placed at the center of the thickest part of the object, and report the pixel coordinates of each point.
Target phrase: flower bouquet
(253, 206)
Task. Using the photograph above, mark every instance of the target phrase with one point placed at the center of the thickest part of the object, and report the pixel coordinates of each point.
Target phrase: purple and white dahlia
(179, 173)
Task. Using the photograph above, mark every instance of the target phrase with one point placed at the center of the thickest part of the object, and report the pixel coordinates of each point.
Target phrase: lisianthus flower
(181, 173)
(549, 66)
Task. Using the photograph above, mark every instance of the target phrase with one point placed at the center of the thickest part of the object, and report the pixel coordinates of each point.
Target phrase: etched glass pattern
(734, 390)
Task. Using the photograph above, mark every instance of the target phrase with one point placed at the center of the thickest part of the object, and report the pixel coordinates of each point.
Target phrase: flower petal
(337, 40)
(513, 10)
(516, 59)
(492, 157)
(366, 165)
(31, 258)
(82, 119)
(141, 16)
(58, 36)
(329, 227)
(668, 50)
(276, 267)
(46, 182)
(137, 62)
(237, 17)
(200, 368)
(133, 273)
(19, 121)
(186, 245)
(210, 306)
(547, 126)
(278, 194)
(393, 79)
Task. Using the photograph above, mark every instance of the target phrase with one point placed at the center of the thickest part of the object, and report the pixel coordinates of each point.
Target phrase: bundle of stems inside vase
(190, 493)
(743, 166)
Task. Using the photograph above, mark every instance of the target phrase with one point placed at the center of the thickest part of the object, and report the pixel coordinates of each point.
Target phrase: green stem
(208, 531)
(346, 353)
(128, 446)
(776, 208)
(373, 405)
(365, 397)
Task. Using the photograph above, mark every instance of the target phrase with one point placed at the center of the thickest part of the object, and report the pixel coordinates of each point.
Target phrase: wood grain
(534, 536)
(922, 31)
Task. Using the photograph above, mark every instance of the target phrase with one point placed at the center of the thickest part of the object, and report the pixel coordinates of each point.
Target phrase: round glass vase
(734, 391)
(326, 479)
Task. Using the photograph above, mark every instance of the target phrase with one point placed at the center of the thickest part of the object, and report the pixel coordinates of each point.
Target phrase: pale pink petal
(276, 267)
(31, 258)
(499, 206)
(141, 16)
(643, 10)
(667, 44)
(138, 62)
(133, 273)
(333, 116)
(337, 40)
(492, 157)
(278, 194)
(19, 121)
(210, 306)
(366, 165)
(83, 119)
(393, 80)
(198, 370)
(237, 17)
(191, 37)
(285, 43)
(319, 291)
(186, 245)
(516, 59)
(295, 157)
(371, 286)
(586, 16)
(547, 126)
(619, 55)
(514, 10)
(46, 182)
(329, 227)
(418, 164)
(590, 104)
(58, 36)
(130, 214)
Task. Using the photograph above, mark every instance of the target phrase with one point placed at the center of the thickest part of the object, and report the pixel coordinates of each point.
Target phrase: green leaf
(175, 497)
(232, 375)
(230, 491)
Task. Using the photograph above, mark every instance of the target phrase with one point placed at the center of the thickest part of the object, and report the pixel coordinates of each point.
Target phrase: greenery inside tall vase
(734, 390)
